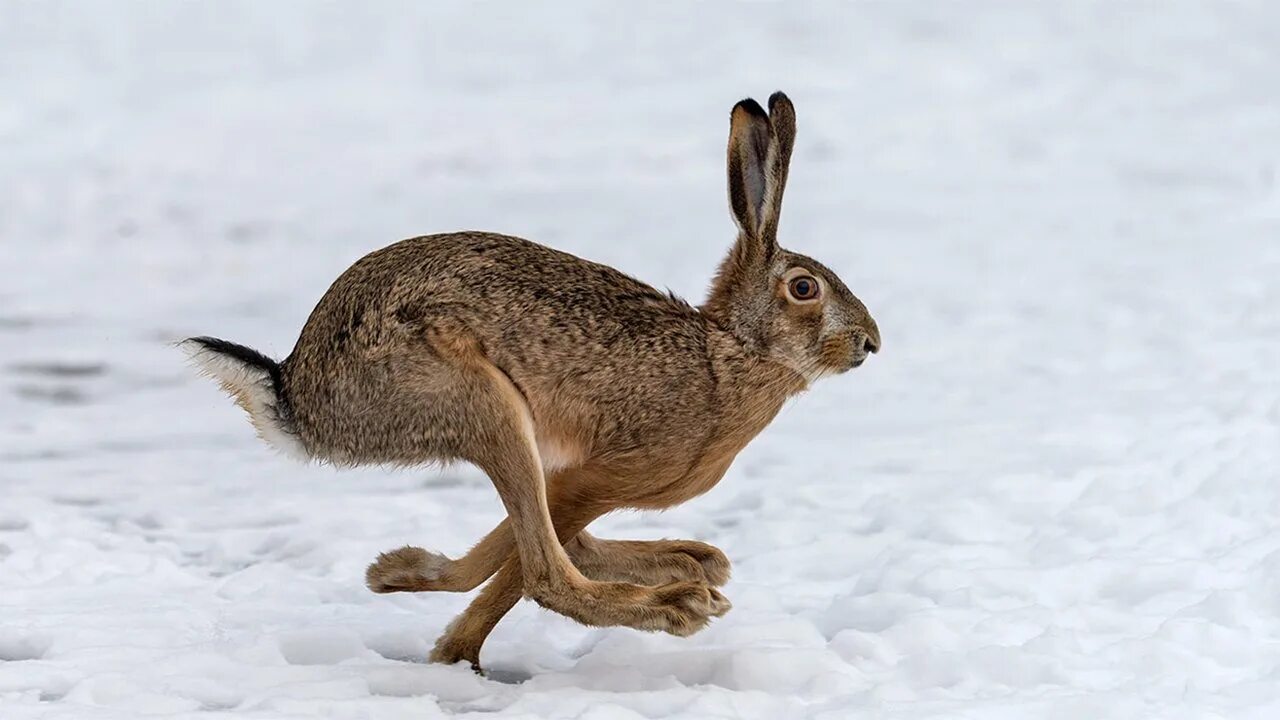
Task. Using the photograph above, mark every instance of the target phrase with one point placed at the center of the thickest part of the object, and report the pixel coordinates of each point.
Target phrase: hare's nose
(870, 336)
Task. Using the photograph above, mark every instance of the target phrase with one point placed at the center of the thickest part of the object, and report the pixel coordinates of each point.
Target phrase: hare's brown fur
(577, 389)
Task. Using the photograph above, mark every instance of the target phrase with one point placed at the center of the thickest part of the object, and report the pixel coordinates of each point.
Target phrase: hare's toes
(719, 603)
(406, 569)
(449, 650)
(685, 607)
(715, 566)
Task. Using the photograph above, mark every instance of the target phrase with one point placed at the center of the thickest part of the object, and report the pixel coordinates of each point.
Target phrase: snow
(1053, 494)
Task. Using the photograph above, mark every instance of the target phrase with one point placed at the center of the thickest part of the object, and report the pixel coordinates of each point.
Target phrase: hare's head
(779, 303)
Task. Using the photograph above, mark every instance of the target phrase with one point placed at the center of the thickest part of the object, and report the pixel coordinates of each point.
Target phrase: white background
(1054, 493)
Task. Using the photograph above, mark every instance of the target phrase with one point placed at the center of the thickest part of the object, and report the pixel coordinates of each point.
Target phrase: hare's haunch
(577, 389)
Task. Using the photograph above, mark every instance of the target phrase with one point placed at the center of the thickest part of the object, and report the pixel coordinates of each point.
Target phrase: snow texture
(1055, 493)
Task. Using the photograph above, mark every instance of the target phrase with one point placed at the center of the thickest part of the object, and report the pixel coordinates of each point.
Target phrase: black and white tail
(256, 383)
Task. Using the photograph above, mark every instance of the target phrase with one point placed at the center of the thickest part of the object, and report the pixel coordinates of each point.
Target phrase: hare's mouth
(853, 362)
(838, 355)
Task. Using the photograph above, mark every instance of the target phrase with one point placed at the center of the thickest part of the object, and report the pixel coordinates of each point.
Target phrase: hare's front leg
(491, 425)
(649, 562)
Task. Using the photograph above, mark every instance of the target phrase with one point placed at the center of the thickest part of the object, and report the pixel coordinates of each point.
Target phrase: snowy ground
(1055, 493)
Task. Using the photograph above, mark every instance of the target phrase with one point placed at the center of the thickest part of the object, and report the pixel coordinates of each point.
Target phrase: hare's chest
(735, 432)
(673, 490)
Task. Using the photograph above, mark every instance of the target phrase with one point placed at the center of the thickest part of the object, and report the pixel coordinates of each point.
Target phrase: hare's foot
(451, 648)
(409, 569)
(679, 608)
(649, 562)
(464, 637)
(412, 569)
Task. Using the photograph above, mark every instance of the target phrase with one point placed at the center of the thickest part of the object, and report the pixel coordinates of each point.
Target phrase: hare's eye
(803, 288)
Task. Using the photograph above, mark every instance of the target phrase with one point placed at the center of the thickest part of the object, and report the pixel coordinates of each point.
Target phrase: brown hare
(577, 389)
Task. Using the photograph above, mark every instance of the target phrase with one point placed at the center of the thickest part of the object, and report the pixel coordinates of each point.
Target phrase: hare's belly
(558, 453)
(561, 438)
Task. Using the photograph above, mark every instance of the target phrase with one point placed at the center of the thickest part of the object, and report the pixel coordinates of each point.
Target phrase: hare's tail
(256, 383)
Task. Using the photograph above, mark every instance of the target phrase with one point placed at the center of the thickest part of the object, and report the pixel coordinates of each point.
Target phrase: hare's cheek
(809, 324)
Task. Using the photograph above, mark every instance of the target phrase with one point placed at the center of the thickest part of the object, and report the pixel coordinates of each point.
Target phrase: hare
(577, 389)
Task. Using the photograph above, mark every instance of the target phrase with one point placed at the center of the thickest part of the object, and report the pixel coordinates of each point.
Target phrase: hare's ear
(782, 117)
(750, 144)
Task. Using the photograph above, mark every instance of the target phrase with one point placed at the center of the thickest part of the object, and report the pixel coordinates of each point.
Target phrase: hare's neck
(751, 388)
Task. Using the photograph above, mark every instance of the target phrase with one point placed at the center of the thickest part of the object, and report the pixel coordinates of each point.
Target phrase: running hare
(577, 389)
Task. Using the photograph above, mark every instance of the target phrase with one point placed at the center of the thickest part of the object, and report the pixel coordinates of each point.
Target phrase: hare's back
(540, 310)
(573, 334)
(509, 286)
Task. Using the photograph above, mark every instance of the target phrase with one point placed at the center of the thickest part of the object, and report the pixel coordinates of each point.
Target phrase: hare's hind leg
(412, 569)
(649, 562)
(492, 427)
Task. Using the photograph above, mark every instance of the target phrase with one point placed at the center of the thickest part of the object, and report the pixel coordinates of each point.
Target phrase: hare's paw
(454, 647)
(680, 608)
(651, 562)
(406, 569)
(680, 561)
(688, 607)
(642, 568)
(713, 563)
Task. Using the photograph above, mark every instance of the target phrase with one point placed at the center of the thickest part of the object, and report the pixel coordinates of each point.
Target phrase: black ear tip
(776, 98)
(751, 107)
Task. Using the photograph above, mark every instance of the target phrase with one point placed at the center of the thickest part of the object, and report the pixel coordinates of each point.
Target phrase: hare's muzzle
(847, 350)
(865, 341)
